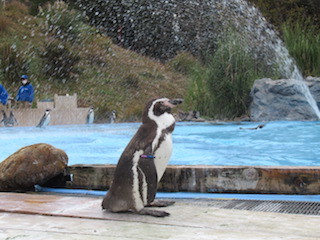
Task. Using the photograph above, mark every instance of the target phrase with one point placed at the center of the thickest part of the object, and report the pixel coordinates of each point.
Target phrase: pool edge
(209, 179)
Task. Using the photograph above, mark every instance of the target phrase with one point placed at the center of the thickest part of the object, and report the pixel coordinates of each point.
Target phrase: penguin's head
(159, 107)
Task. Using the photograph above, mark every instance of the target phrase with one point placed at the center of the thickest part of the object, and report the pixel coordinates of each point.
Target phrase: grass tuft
(303, 42)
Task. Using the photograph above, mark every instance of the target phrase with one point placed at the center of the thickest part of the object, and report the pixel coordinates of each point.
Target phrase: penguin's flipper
(154, 213)
(160, 203)
(41, 122)
(149, 170)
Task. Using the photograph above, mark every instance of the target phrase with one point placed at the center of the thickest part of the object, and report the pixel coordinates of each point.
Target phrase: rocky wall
(283, 99)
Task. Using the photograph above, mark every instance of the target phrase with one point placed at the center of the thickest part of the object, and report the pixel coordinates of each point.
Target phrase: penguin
(45, 120)
(8, 121)
(255, 128)
(112, 116)
(12, 120)
(4, 118)
(143, 162)
(90, 116)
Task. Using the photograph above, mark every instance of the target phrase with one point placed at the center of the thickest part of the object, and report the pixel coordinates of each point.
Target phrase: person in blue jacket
(26, 92)
(3, 97)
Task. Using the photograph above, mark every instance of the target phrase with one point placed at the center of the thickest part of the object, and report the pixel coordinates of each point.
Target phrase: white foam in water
(277, 144)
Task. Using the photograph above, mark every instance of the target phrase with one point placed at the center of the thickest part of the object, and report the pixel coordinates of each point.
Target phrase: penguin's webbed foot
(154, 213)
(160, 203)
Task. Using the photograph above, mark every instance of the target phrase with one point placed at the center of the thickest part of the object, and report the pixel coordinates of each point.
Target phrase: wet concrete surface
(42, 216)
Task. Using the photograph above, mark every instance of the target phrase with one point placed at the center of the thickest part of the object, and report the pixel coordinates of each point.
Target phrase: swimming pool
(284, 143)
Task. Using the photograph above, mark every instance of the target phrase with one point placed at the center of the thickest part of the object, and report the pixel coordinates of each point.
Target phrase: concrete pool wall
(211, 179)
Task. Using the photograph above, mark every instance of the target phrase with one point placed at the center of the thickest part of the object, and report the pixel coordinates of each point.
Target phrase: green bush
(63, 23)
(12, 63)
(278, 12)
(5, 24)
(303, 42)
(221, 89)
(183, 62)
(16, 8)
(60, 63)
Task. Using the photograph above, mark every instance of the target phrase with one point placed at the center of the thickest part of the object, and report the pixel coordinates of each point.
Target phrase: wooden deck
(43, 216)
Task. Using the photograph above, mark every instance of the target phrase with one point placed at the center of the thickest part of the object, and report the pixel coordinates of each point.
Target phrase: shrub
(278, 12)
(131, 81)
(62, 23)
(60, 63)
(12, 63)
(35, 5)
(183, 62)
(16, 8)
(5, 24)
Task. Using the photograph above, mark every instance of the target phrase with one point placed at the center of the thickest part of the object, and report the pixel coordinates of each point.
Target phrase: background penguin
(5, 119)
(255, 128)
(112, 116)
(90, 116)
(45, 120)
(143, 162)
(12, 120)
(8, 121)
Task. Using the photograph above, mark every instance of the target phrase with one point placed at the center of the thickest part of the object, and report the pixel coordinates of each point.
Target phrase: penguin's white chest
(162, 155)
(90, 118)
(46, 121)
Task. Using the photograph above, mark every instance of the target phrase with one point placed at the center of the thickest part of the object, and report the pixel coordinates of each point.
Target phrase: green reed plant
(302, 39)
(221, 89)
(198, 95)
(230, 77)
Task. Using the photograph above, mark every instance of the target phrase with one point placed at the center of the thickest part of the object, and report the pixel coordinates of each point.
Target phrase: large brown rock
(31, 165)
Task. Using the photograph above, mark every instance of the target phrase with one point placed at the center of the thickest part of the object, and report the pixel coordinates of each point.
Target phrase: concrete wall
(64, 111)
(214, 179)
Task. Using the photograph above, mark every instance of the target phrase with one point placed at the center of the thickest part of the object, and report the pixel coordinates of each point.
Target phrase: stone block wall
(64, 111)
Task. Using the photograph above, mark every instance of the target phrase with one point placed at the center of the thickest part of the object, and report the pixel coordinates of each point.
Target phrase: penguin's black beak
(176, 101)
(168, 104)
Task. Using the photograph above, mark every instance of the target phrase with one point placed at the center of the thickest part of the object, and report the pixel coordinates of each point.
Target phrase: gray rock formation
(31, 165)
(283, 100)
(193, 116)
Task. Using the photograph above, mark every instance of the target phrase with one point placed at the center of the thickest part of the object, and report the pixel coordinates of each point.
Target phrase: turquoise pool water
(277, 144)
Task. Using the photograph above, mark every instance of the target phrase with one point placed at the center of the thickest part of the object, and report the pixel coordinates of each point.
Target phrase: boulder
(193, 116)
(31, 165)
(283, 99)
